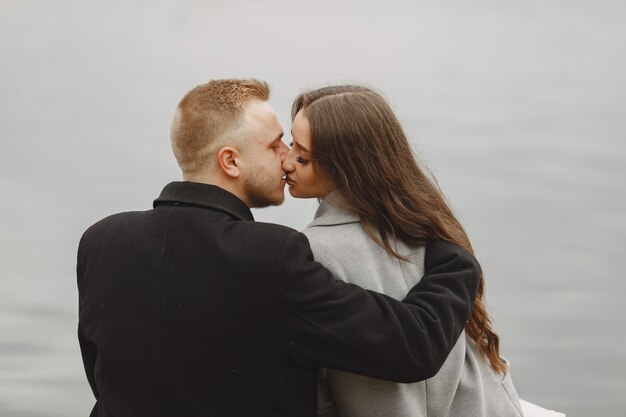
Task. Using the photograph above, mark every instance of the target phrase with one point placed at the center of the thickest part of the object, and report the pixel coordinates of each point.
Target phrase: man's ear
(227, 160)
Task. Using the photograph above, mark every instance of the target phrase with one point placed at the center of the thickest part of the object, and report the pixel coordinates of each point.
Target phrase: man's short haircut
(209, 117)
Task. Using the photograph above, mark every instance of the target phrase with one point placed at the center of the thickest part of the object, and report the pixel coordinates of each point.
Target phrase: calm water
(518, 112)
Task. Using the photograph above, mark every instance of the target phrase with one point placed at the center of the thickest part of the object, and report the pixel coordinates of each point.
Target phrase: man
(194, 309)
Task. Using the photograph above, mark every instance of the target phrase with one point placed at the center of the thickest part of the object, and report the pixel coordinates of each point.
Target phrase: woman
(378, 210)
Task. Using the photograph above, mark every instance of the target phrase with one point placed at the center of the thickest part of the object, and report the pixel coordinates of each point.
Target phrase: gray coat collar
(330, 212)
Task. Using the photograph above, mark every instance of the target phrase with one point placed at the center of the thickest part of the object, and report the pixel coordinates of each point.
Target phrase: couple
(193, 309)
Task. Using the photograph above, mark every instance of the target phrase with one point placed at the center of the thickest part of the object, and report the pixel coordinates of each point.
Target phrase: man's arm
(333, 324)
(88, 350)
(89, 353)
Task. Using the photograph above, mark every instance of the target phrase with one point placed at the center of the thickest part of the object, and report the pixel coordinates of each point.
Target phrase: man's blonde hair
(208, 117)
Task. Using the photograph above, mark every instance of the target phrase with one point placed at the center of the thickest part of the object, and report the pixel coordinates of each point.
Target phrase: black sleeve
(89, 353)
(332, 324)
(88, 350)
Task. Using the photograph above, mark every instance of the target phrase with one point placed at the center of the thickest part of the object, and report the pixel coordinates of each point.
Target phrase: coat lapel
(330, 212)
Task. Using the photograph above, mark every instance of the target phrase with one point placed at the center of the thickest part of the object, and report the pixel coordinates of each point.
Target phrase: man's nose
(283, 150)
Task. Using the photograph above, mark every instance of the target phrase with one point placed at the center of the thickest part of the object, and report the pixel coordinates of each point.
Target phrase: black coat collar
(204, 195)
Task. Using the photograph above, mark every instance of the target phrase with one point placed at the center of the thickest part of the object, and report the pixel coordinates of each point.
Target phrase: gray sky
(518, 109)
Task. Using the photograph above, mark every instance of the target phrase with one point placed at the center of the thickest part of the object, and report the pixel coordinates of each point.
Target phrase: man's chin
(277, 201)
(258, 201)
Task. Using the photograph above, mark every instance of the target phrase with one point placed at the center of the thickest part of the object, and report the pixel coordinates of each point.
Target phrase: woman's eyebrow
(301, 147)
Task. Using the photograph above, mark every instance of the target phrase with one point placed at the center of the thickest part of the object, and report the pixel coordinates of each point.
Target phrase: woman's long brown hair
(359, 146)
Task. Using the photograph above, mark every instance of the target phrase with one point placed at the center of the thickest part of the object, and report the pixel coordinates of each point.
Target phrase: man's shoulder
(273, 228)
(111, 222)
(116, 218)
(269, 240)
(263, 230)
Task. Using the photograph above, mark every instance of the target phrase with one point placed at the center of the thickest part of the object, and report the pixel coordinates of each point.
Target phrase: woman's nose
(287, 164)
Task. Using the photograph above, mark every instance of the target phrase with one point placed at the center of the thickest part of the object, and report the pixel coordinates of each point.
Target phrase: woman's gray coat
(465, 386)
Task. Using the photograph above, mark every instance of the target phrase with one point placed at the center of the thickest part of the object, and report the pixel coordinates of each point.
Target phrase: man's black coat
(193, 309)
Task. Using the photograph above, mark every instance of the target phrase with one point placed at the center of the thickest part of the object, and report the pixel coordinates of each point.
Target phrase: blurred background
(518, 109)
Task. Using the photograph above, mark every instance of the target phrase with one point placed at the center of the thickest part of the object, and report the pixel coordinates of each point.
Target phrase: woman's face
(298, 166)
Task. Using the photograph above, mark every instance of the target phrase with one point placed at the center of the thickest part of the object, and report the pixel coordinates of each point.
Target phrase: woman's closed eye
(299, 159)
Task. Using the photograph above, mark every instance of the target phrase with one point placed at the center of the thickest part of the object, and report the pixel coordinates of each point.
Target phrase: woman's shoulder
(331, 212)
(336, 240)
(333, 227)
(341, 244)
